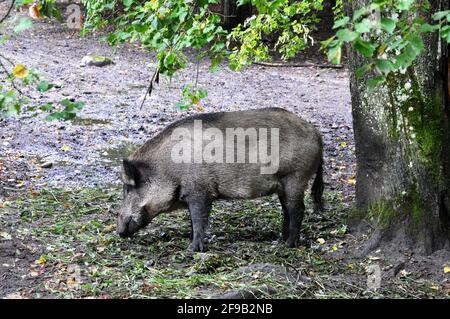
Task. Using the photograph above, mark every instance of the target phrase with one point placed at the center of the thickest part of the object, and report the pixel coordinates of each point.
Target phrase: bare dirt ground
(57, 224)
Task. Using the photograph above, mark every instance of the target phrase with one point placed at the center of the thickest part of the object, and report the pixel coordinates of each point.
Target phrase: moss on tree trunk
(402, 148)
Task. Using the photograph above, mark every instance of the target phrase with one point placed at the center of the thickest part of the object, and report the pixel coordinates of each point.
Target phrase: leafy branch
(13, 99)
(388, 34)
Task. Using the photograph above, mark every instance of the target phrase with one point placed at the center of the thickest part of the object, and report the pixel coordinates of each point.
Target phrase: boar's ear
(130, 174)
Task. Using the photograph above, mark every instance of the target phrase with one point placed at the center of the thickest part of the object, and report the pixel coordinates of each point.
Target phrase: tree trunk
(403, 150)
(233, 15)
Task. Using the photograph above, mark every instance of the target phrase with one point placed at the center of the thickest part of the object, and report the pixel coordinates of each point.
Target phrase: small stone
(96, 60)
(149, 263)
(47, 165)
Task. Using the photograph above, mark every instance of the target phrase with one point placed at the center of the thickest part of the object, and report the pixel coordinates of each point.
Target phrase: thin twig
(12, 80)
(150, 87)
(7, 59)
(300, 65)
(223, 15)
(8, 12)
(197, 73)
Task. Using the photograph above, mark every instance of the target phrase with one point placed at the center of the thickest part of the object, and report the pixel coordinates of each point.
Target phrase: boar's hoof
(291, 243)
(198, 246)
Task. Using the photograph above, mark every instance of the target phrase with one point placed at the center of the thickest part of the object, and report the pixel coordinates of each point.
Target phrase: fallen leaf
(41, 261)
(34, 11)
(110, 228)
(334, 248)
(15, 295)
(34, 273)
(404, 273)
(73, 283)
(5, 235)
(68, 205)
(101, 249)
(351, 181)
(321, 241)
(435, 287)
(65, 148)
(446, 269)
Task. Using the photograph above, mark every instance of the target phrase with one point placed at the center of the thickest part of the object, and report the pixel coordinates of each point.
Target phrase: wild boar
(224, 155)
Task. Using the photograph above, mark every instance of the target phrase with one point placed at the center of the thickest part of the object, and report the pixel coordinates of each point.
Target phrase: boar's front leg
(296, 210)
(199, 209)
(292, 202)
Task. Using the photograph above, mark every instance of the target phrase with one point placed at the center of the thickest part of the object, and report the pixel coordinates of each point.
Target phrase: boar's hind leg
(285, 229)
(199, 211)
(292, 201)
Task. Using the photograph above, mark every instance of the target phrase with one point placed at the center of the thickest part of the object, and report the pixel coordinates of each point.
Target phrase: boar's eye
(127, 189)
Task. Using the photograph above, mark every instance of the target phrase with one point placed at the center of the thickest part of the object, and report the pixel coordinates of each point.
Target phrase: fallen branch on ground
(300, 65)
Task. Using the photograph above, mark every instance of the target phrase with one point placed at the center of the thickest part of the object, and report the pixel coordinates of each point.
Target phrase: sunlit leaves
(388, 34)
(191, 96)
(69, 111)
(290, 21)
(163, 27)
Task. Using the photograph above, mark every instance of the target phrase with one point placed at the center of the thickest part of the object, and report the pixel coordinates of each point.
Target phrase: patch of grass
(83, 257)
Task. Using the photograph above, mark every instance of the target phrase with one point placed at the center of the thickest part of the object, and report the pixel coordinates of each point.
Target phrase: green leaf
(445, 33)
(441, 14)
(44, 86)
(127, 3)
(388, 25)
(427, 28)
(46, 107)
(364, 26)
(360, 72)
(404, 5)
(374, 82)
(341, 22)
(416, 43)
(359, 13)
(335, 54)
(23, 25)
(202, 93)
(346, 35)
(364, 48)
(384, 66)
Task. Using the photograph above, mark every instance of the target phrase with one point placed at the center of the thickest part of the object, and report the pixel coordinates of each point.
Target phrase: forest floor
(57, 224)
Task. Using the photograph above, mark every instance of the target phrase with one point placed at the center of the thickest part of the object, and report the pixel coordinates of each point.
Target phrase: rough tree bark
(403, 151)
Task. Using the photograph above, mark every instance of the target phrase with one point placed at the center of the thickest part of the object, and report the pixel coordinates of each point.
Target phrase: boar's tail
(317, 188)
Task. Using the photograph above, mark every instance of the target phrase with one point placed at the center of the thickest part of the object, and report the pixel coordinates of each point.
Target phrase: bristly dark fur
(169, 185)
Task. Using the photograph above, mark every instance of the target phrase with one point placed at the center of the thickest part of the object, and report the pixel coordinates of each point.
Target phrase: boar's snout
(127, 227)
